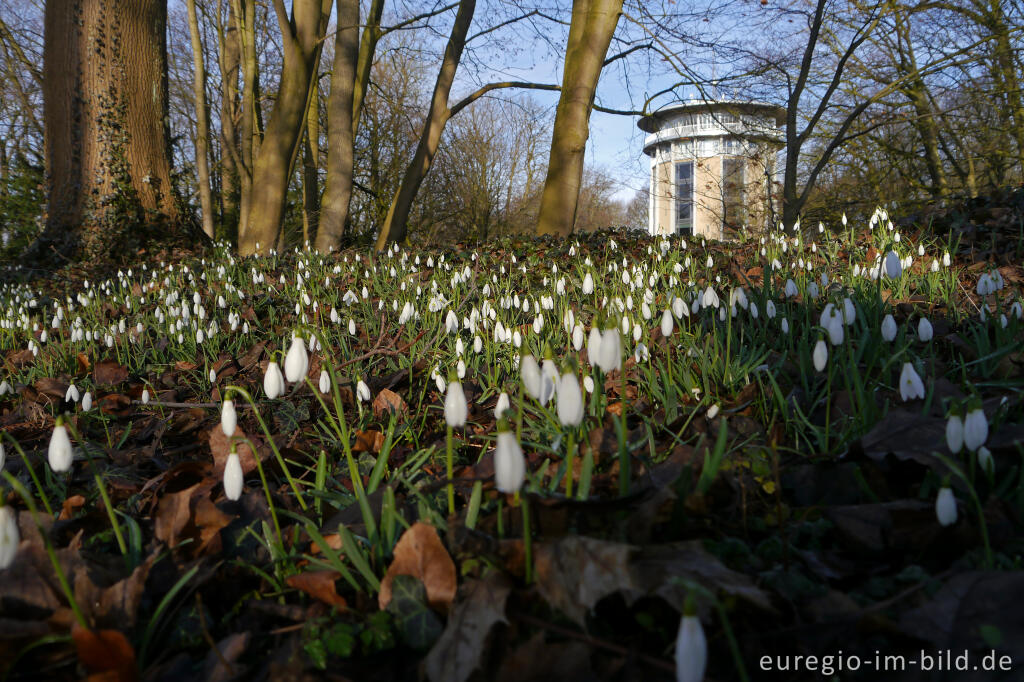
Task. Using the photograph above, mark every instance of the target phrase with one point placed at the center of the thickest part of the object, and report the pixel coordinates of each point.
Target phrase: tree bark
(396, 223)
(202, 120)
(106, 116)
(229, 60)
(311, 165)
(245, 16)
(341, 127)
(590, 33)
(302, 36)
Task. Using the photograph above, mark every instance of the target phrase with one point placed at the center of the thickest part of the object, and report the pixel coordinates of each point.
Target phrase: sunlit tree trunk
(245, 17)
(229, 60)
(311, 165)
(105, 110)
(395, 224)
(590, 34)
(302, 37)
(202, 119)
(341, 127)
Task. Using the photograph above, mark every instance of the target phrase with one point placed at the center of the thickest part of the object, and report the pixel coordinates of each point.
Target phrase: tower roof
(654, 121)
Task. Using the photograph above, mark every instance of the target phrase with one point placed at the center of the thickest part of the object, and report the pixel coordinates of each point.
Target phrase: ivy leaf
(418, 625)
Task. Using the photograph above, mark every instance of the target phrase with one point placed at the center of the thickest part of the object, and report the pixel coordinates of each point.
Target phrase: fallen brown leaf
(320, 585)
(421, 554)
(105, 651)
(109, 372)
(388, 401)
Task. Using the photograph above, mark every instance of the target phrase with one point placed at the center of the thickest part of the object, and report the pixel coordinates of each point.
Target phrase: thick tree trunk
(229, 60)
(396, 222)
(367, 49)
(311, 165)
(105, 109)
(341, 128)
(202, 120)
(245, 16)
(302, 36)
(590, 34)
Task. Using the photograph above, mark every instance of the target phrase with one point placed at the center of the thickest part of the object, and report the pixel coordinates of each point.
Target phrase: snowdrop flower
(72, 395)
(911, 386)
(667, 323)
(529, 370)
(893, 266)
(296, 362)
(784, 325)
(5, 388)
(610, 357)
(455, 408)
(833, 324)
(362, 391)
(588, 384)
(945, 506)
(509, 463)
(820, 355)
(594, 345)
(889, 328)
(228, 418)
(588, 284)
(924, 330)
(791, 289)
(502, 406)
(273, 381)
(145, 396)
(713, 411)
(325, 381)
(679, 308)
(954, 433)
(570, 400)
(213, 376)
(691, 647)
(641, 354)
(975, 429)
(849, 311)
(9, 537)
(710, 298)
(577, 338)
(59, 451)
(87, 401)
(233, 477)
(985, 460)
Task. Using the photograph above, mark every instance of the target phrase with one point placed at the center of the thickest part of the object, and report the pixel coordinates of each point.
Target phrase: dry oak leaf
(458, 653)
(109, 372)
(220, 448)
(421, 554)
(388, 401)
(320, 585)
(107, 652)
(368, 441)
(576, 572)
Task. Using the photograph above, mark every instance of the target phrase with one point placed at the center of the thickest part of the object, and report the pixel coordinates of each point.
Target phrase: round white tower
(712, 166)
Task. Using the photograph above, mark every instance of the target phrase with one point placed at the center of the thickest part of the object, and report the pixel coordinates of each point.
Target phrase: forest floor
(795, 501)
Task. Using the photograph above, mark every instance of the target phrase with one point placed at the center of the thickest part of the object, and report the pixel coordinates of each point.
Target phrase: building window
(684, 198)
(733, 199)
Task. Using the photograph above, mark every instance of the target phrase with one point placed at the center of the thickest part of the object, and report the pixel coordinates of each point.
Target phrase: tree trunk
(245, 16)
(202, 119)
(311, 165)
(396, 223)
(302, 36)
(106, 117)
(229, 60)
(341, 128)
(590, 34)
(367, 49)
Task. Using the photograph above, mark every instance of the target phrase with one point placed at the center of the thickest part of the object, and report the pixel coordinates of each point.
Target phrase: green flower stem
(570, 455)
(448, 471)
(527, 541)
(61, 577)
(266, 490)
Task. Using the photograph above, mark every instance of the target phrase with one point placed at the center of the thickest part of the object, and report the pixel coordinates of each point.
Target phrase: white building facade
(712, 167)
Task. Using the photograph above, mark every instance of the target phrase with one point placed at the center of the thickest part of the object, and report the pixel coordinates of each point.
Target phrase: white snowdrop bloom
(833, 323)
(455, 407)
(570, 400)
(893, 265)
(478, 344)
(509, 463)
(228, 418)
(517, 339)
(954, 433)
(594, 345)
(212, 375)
(588, 383)
(679, 308)
(769, 309)
(935, 265)
(641, 354)
(791, 289)
(710, 298)
(273, 380)
(1016, 310)
(784, 325)
(889, 328)
(610, 351)
(296, 362)
(911, 386)
(985, 460)
(324, 383)
(145, 396)
(691, 649)
(820, 355)
(924, 330)
(975, 429)
(667, 323)
(577, 337)
(87, 401)
(71, 395)
(946, 259)
(945, 506)
(440, 382)
(849, 311)
(9, 537)
(233, 476)
(502, 405)
(529, 371)
(812, 290)
(58, 451)
(362, 391)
